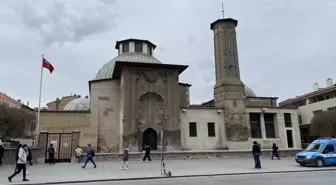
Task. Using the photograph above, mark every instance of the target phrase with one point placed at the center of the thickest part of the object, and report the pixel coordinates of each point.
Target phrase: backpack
(93, 153)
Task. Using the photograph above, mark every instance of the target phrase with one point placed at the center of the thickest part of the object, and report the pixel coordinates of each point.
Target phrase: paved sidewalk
(66, 172)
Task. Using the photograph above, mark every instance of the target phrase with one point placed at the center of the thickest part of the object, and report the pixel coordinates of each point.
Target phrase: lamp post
(162, 163)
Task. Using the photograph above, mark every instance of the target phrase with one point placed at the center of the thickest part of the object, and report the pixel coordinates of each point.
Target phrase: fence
(10, 144)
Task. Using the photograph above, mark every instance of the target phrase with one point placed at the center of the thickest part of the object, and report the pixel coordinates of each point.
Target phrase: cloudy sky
(284, 46)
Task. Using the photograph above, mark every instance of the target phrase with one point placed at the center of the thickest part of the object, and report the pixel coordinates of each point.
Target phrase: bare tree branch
(14, 121)
(323, 124)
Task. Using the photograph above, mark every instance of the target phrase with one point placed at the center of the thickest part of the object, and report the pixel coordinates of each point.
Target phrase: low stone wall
(185, 155)
(9, 156)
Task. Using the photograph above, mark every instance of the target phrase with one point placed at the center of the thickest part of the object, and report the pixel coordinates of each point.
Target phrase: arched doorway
(149, 137)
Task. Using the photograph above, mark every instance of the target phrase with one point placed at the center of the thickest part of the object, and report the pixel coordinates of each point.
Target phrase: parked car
(321, 152)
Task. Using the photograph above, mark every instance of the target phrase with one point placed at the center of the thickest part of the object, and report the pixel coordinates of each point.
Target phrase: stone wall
(261, 102)
(9, 156)
(184, 95)
(180, 155)
(104, 131)
(66, 122)
(202, 141)
(38, 153)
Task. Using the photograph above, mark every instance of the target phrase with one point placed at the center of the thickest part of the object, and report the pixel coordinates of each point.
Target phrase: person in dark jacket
(89, 157)
(125, 158)
(29, 156)
(17, 156)
(275, 151)
(51, 153)
(147, 153)
(2, 152)
(256, 150)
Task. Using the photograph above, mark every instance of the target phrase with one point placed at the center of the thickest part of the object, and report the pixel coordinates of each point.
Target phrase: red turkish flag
(47, 65)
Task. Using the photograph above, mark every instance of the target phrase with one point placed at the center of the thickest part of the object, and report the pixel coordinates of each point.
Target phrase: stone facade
(229, 92)
(137, 100)
(104, 131)
(66, 122)
(201, 116)
(280, 127)
(184, 94)
(147, 103)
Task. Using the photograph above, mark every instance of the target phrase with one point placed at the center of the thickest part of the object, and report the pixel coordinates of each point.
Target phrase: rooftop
(308, 95)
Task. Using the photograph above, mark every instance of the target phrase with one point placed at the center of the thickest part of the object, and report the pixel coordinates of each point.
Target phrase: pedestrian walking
(2, 152)
(90, 156)
(78, 153)
(147, 153)
(256, 150)
(275, 151)
(125, 159)
(29, 156)
(17, 156)
(21, 164)
(51, 153)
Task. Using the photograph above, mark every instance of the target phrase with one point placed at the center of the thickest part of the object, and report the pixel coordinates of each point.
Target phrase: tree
(14, 122)
(323, 124)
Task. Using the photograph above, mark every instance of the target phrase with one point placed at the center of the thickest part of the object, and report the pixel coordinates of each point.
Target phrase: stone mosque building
(136, 99)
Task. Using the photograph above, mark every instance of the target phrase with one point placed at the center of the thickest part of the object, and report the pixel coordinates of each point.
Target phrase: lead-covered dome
(78, 104)
(106, 71)
(249, 92)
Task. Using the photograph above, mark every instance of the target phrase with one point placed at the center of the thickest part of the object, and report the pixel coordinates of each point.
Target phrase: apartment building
(320, 99)
(5, 99)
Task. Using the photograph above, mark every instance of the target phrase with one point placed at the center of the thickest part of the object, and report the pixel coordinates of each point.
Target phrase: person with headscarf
(275, 151)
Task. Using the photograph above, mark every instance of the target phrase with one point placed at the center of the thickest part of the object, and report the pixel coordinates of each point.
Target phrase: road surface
(306, 178)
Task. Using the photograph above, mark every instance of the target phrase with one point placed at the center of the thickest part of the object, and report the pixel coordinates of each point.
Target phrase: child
(125, 158)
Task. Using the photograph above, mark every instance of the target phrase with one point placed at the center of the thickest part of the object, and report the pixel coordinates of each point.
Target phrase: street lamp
(163, 166)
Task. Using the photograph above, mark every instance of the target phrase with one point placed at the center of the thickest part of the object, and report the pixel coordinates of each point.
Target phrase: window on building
(138, 47)
(288, 120)
(332, 109)
(149, 50)
(255, 125)
(125, 47)
(192, 129)
(269, 125)
(317, 111)
(211, 130)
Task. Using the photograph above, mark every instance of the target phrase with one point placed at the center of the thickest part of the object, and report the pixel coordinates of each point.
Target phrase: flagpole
(39, 106)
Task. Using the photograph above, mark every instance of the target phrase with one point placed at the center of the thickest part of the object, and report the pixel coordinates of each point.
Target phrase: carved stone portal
(151, 109)
(235, 127)
(150, 76)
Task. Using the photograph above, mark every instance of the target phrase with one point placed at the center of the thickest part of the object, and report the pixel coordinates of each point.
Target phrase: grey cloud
(284, 46)
(67, 21)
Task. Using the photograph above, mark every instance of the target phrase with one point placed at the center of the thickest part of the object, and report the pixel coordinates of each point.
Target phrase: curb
(175, 177)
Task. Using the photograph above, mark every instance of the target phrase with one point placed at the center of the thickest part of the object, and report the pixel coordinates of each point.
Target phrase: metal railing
(10, 144)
